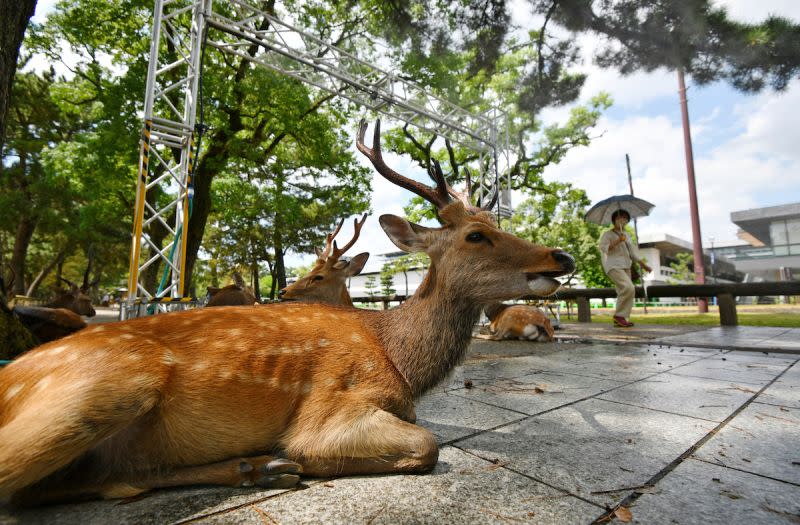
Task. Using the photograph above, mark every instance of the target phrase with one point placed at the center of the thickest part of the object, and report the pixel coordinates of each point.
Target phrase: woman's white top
(620, 255)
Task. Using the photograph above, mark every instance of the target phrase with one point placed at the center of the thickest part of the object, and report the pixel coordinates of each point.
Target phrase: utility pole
(635, 226)
(697, 241)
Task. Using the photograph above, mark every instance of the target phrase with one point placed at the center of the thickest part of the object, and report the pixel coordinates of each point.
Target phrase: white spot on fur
(356, 338)
(322, 343)
(70, 357)
(306, 389)
(273, 382)
(307, 346)
(127, 336)
(301, 319)
(99, 328)
(11, 392)
(529, 330)
(57, 350)
(369, 365)
(133, 356)
(168, 358)
(43, 383)
(236, 332)
(200, 365)
(225, 374)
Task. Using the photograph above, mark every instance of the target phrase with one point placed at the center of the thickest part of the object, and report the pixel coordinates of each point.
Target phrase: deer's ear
(405, 235)
(357, 264)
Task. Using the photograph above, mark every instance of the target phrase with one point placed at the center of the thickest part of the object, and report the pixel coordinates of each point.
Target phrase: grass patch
(786, 320)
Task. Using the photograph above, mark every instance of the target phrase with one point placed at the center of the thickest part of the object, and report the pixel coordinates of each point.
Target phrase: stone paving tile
(633, 365)
(728, 336)
(537, 392)
(697, 492)
(158, 507)
(591, 446)
(789, 340)
(690, 396)
(785, 391)
(748, 369)
(462, 489)
(450, 417)
(762, 439)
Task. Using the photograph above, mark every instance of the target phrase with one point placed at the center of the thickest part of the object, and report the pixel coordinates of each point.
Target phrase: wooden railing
(725, 293)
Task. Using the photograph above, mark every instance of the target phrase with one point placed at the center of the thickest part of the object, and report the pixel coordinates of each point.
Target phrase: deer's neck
(427, 335)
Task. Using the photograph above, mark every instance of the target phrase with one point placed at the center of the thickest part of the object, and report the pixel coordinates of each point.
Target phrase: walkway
(655, 424)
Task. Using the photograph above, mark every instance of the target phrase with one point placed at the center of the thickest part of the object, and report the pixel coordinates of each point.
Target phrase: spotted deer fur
(519, 321)
(245, 395)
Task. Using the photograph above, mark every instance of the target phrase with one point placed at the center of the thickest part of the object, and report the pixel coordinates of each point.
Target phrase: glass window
(793, 231)
(794, 249)
(777, 232)
(780, 250)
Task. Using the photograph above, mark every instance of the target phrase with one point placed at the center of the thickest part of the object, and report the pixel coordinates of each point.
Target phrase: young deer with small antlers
(194, 397)
(326, 282)
(234, 294)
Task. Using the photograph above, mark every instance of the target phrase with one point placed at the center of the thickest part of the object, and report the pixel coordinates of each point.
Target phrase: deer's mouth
(543, 283)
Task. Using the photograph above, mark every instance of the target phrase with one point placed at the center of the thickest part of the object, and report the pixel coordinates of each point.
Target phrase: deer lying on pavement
(234, 294)
(212, 396)
(326, 282)
(518, 321)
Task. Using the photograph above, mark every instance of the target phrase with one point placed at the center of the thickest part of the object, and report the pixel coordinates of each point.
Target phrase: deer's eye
(317, 277)
(475, 237)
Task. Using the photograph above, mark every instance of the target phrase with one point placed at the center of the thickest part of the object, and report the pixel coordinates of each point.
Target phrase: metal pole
(697, 241)
(635, 226)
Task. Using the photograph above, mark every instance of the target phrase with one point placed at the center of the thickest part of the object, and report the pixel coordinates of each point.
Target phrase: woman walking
(618, 254)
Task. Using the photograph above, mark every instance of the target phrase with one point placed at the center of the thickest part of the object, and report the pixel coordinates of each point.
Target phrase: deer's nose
(565, 260)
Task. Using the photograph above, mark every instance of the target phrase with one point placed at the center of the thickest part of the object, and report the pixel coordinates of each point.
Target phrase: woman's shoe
(622, 322)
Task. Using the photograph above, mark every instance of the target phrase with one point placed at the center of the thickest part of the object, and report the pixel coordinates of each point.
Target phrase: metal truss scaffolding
(168, 139)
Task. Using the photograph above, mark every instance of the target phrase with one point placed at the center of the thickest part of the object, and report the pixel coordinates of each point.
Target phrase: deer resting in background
(257, 395)
(234, 294)
(76, 299)
(518, 321)
(327, 281)
(46, 323)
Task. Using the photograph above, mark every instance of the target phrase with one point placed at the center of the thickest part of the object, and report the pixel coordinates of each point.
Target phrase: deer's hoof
(278, 481)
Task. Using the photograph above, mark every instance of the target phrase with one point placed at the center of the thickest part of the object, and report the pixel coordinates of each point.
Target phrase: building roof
(754, 223)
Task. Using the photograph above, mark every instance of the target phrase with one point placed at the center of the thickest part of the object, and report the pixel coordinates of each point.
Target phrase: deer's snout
(566, 260)
(281, 293)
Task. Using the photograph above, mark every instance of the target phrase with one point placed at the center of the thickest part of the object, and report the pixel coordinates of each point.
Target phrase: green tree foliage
(387, 280)
(555, 219)
(683, 272)
(371, 286)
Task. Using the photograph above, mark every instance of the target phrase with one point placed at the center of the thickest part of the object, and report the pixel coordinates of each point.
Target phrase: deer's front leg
(374, 442)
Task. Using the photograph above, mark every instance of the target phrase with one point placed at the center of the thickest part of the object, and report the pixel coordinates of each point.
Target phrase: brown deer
(519, 321)
(234, 294)
(75, 298)
(257, 395)
(44, 323)
(326, 282)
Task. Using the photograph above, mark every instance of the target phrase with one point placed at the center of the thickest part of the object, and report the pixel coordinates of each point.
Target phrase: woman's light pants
(625, 290)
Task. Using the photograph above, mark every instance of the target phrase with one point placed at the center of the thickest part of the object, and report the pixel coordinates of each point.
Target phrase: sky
(746, 152)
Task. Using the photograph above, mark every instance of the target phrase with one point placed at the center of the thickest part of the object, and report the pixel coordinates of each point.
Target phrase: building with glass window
(770, 250)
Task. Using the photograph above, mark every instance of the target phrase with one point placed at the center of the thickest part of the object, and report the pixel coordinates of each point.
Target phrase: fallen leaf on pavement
(623, 514)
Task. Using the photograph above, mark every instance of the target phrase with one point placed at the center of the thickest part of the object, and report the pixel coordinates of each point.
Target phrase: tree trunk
(255, 277)
(22, 240)
(57, 260)
(14, 17)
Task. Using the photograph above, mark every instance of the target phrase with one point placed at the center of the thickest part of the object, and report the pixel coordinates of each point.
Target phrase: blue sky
(745, 146)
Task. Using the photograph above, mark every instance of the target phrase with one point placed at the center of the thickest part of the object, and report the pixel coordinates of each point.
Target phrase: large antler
(465, 196)
(322, 255)
(438, 196)
(357, 231)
